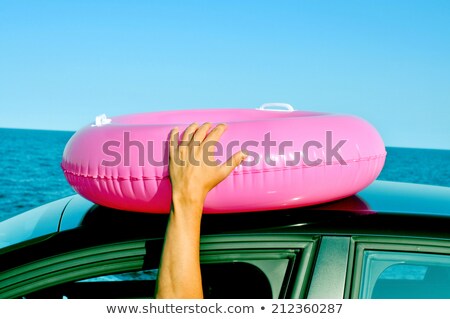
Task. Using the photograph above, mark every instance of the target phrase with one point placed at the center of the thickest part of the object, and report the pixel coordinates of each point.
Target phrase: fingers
(197, 136)
(211, 140)
(232, 163)
(201, 132)
(187, 135)
(216, 133)
(173, 142)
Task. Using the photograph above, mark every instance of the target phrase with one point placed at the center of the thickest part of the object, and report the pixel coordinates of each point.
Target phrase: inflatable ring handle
(284, 107)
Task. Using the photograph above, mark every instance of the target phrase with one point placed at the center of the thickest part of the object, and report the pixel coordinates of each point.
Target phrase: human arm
(193, 173)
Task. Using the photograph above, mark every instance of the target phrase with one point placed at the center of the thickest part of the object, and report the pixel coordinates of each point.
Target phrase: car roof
(381, 197)
(406, 198)
(384, 201)
(390, 203)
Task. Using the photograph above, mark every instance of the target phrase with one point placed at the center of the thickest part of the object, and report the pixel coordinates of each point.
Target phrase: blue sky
(64, 62)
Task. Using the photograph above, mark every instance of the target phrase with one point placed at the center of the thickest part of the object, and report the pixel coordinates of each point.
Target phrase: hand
(192, 167)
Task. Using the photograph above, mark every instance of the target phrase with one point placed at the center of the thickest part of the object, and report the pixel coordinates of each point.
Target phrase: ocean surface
(30, 173)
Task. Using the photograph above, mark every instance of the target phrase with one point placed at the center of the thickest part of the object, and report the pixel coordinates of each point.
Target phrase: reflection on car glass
(128, 276)
(404, 272)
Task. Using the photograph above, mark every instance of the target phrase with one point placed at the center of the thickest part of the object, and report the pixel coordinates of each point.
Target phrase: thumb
(232, 163)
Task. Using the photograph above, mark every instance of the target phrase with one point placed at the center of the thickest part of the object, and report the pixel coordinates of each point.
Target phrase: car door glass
(144, 275)
(404, 275)
(136, 284)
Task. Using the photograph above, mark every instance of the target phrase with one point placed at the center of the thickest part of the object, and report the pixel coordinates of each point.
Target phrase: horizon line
(74, 131)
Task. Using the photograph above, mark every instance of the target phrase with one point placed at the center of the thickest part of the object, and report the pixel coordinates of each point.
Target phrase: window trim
(359, 244)
(132, 256)
(307, 244)
(75, 265)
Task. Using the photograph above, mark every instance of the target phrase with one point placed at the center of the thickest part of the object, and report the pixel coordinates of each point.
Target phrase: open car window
(223, 280)
(249, 268)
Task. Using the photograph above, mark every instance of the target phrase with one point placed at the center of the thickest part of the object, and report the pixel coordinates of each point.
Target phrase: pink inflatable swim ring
(296, 158)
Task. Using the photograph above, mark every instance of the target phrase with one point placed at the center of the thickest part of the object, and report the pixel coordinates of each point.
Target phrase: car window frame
(360, 244)
(330, 270)
(301, 273)
(133, 255)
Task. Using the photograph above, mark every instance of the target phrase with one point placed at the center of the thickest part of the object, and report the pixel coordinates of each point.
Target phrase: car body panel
(328, 279)
(35, 223)
(312, 252)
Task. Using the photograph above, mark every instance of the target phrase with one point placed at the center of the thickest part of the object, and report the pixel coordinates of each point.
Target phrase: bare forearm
(180, 275)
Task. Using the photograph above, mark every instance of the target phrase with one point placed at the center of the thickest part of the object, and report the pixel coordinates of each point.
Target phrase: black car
(392, 240)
